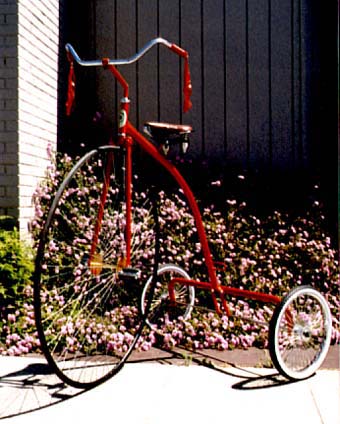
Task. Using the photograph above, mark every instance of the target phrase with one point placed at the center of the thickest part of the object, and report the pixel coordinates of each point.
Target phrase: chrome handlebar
(114, 62)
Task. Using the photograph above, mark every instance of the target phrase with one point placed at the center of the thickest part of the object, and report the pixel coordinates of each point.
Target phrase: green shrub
(17, 325)
(16, 266)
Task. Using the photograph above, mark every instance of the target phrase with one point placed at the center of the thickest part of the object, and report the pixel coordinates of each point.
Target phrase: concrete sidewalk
(162, 390)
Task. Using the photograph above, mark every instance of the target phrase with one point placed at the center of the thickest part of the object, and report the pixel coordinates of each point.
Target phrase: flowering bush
(18, 335)
(271, 254)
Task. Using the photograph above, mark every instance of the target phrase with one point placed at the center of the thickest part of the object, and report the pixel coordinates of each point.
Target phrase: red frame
(126, 136)
(213, 285)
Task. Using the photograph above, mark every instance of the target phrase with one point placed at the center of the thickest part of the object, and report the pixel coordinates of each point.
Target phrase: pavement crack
(317, 406)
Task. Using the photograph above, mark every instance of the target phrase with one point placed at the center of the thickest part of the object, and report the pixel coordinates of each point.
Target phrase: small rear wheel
(300, 333)
(160, 307)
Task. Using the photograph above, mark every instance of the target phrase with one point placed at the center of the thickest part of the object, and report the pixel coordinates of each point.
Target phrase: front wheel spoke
(78, 311)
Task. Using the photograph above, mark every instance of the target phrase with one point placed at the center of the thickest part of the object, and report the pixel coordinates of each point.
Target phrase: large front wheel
(87, 286)
(300, 333)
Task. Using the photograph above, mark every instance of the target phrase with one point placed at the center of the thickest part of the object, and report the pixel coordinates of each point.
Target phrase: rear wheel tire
(160, 307)
(300, 333)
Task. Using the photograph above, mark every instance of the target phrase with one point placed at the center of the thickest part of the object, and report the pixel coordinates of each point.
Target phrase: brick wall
(8, 108)
(28, 122)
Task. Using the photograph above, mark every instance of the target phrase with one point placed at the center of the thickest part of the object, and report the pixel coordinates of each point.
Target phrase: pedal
(130, 274)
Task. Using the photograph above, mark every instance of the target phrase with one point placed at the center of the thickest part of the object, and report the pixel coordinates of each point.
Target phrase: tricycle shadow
(251, 376)
(262, 382)
(30, 386)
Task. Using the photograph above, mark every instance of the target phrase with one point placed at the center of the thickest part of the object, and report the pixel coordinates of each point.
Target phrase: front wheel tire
(87, 304)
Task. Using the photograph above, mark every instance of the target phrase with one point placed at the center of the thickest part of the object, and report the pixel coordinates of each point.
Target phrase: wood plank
(214, 79)
(127, 46)
(281, 72)
(236, 94)
(258, 84)
(191, 40)
(296, 88)
(147, 68)
(169, 63)
(305, 93)
(105, 40)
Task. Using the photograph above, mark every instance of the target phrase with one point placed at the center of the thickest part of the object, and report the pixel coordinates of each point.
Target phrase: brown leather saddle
(165, 135)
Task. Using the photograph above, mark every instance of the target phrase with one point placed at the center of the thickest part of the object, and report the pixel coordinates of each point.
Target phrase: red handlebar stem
(117, 75)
